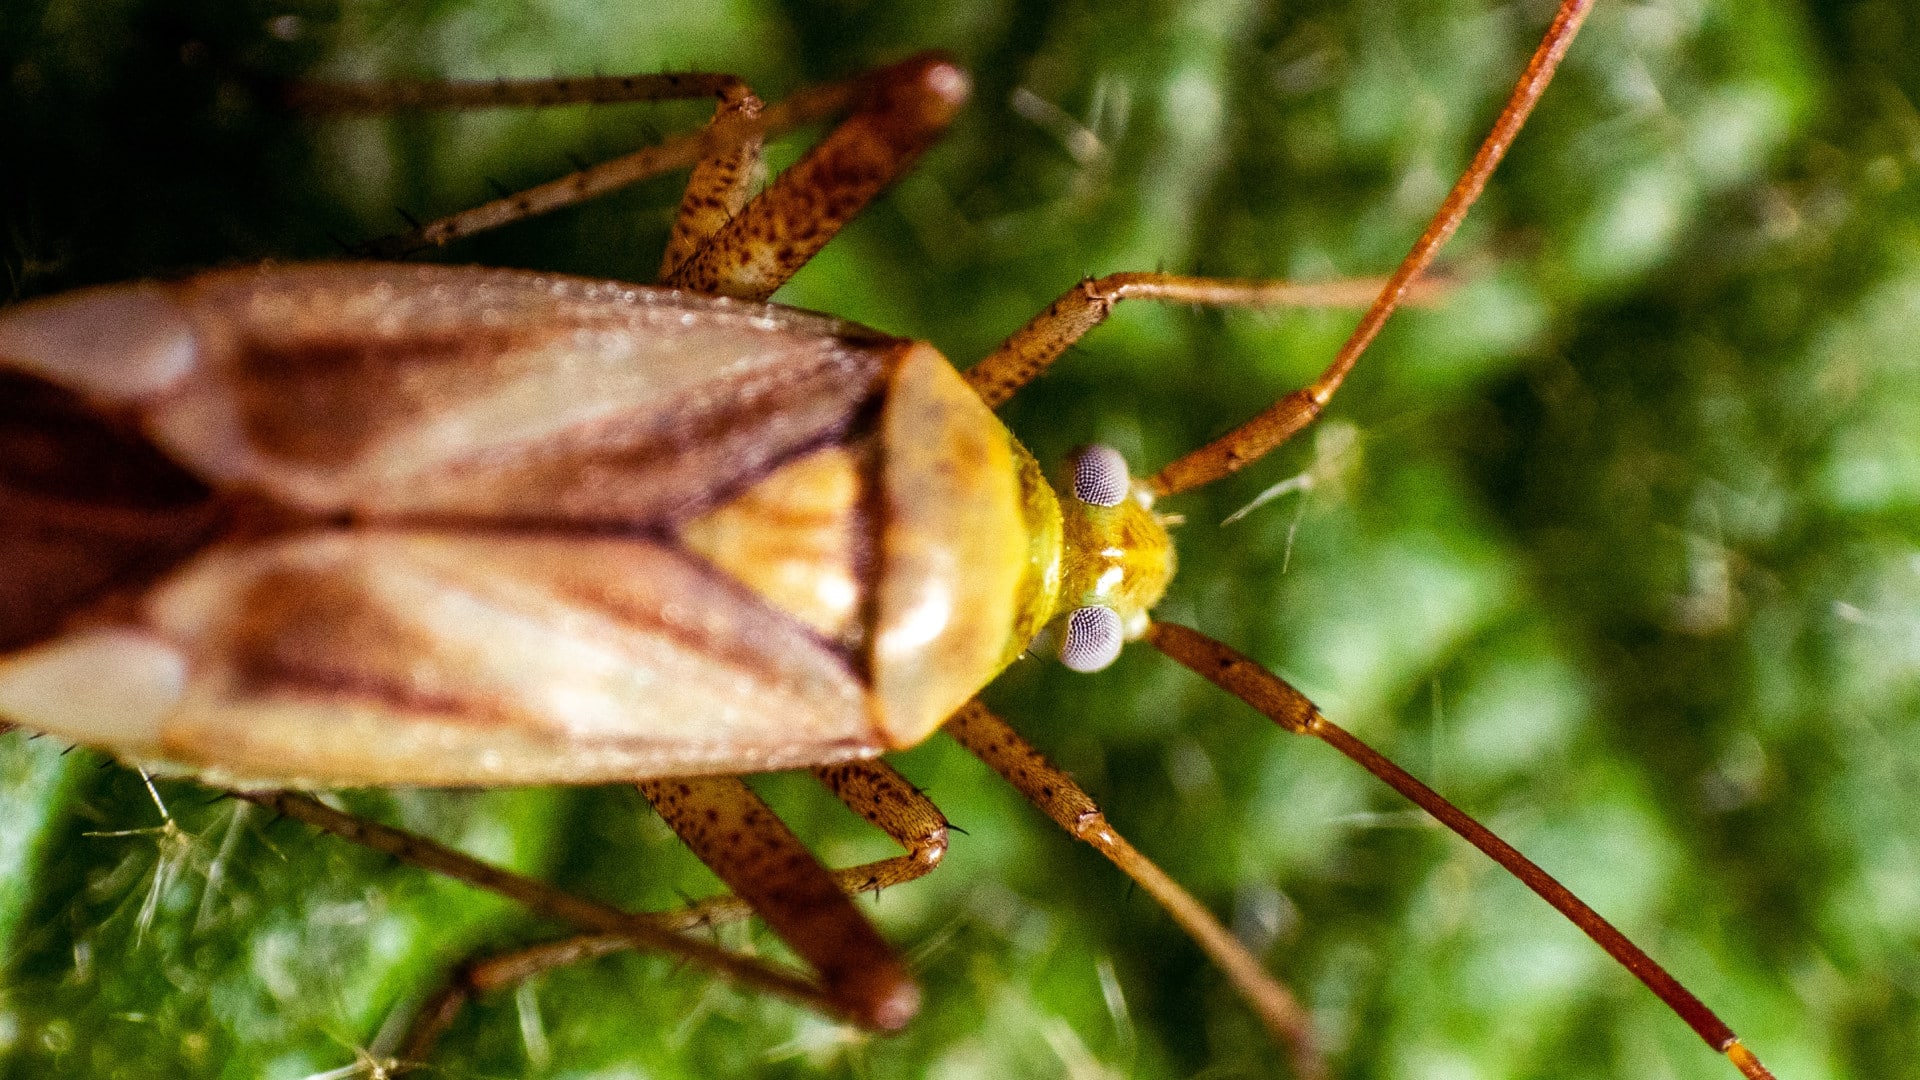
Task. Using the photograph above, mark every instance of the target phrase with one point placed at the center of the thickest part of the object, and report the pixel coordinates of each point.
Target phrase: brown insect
(493, 561)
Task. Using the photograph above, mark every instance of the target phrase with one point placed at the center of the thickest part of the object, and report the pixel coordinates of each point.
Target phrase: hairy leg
(994, 741)
(871, 789)
(903, 110)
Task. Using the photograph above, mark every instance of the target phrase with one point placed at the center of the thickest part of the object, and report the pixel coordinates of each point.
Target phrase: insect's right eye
(1093, 638)
(1099, 476)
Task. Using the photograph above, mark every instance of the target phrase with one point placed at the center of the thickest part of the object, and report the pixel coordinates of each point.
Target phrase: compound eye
(1093, 638)
(1099, 476)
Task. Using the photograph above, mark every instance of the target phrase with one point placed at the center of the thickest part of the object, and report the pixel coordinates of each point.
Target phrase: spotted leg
(871, 789)
(544, 899)
(720, 185)
(904, 108)
(719, 247)
(760, 859)
(994, 741)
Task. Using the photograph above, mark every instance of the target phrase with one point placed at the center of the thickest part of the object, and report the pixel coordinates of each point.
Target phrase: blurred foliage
(1619, 547)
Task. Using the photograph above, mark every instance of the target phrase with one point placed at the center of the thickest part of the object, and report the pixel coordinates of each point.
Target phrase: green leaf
(1621, 551)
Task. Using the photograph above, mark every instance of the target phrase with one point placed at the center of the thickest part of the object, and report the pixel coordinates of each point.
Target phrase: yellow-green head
(1116, 559)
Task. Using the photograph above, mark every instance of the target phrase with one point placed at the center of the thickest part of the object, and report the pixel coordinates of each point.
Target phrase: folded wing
(452, 499)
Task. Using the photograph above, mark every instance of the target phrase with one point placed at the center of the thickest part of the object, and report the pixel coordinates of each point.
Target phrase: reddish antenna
(1259, 436)
(1240, 676)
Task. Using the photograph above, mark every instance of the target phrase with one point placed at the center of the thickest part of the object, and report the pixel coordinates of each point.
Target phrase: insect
(959, 350)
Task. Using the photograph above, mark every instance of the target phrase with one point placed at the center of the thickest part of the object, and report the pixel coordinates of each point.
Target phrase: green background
(1619, 547)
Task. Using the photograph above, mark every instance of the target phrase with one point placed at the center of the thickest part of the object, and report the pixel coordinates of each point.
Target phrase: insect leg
(716, 191)
(724, 135)
(541, 898)
(1275, 698)
(748, 847)
(885, 799)
(483, 973)
(871, 789)
(994, 741)
(1034, 347)
(720, 184)
(902, 110)
(384, 97)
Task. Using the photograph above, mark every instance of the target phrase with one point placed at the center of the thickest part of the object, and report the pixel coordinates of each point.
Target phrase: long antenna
(1257, 437)
(1238, 675)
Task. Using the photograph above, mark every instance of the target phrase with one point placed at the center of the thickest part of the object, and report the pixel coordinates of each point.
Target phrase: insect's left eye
(1099, 476)
(1093, 638)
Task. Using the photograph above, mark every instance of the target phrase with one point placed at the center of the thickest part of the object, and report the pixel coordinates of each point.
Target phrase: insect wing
(444, 658)
(395, 391)
(509, 604)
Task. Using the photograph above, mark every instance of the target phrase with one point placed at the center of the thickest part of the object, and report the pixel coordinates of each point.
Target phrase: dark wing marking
(86, 509)
(459, 393)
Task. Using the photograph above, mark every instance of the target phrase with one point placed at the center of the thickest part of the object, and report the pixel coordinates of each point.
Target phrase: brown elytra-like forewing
(88, 509)
(452, 525)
